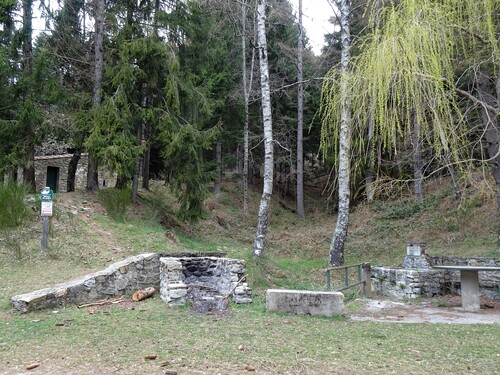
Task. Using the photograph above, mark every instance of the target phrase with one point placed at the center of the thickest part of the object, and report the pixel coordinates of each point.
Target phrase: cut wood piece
(32, 366)
(103, 302)
(143, 294)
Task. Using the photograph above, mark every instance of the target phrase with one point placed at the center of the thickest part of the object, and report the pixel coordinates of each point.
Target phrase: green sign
(46, 194)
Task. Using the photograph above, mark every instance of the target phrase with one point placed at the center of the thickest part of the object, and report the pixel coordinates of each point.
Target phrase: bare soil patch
(445, 310)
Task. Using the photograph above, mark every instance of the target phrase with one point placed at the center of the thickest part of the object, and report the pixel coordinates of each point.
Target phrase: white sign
(46, 209)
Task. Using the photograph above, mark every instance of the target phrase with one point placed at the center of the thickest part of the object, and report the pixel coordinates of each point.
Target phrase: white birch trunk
(340, 232)
(258, 247)
(300, 122)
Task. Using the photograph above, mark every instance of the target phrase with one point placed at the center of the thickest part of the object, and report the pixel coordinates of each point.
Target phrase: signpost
(46, 196)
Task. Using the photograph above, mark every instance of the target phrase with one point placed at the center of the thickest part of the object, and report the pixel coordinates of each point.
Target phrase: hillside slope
(83, 237)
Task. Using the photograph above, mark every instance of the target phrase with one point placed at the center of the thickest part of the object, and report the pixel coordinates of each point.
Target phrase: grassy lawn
(116, 339)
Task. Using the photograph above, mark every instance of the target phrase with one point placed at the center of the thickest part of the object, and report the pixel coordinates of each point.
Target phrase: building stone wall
(61, 162)
(42, 163)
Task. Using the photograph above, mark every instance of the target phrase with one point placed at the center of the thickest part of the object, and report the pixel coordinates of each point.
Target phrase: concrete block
(305, 302)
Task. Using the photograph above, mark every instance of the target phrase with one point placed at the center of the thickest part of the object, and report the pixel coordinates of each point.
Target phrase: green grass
(116, 202)
(272, 343)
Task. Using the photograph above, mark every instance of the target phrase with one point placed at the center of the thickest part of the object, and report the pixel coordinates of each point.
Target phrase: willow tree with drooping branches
(403, 82)
(476, 24)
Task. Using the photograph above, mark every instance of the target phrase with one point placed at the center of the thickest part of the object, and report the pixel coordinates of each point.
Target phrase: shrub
(14, 211)
(115, 201)
(402, 209)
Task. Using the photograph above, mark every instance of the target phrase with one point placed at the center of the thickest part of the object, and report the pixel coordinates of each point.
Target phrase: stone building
(52, 171)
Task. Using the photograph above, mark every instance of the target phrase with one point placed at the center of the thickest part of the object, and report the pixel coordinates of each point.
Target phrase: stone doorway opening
(53, 178)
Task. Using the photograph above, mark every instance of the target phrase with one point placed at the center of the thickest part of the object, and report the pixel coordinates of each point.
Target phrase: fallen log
(143, 294)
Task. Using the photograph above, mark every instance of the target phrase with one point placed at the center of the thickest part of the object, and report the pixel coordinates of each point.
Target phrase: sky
(316, 14)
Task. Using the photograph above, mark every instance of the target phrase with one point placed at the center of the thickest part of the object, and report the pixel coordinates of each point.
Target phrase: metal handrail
(364, 277)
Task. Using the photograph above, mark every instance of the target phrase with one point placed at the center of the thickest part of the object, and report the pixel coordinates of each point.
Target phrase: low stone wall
(120, 278)
(305, 302)
(488, 281)
(407, 283)
(179, 279)
(428, 282)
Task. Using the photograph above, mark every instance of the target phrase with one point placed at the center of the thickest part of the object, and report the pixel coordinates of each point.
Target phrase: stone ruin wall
(139, 272)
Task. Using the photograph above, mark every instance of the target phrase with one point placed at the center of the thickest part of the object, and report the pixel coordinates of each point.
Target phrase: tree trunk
(29, 168)
(121, 182)
(485, 90)
(218, 161)
(258, 247)
(72, 166)
(370, 191)
(27, 37)
(418, 175)
(340, 233)
(146, 160)
(27, 62)
(138, 169)
(246, 95)
(300, 123)
(92, 174)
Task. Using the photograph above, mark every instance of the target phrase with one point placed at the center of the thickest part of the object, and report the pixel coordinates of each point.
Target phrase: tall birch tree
(263, 216)
(340, 102)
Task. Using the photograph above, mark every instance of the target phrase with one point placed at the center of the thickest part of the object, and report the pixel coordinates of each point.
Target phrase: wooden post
(366, 276)
(45, 233)
(46, 197)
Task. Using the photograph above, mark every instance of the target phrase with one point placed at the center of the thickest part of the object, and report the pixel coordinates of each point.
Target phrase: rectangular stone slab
(305, 302)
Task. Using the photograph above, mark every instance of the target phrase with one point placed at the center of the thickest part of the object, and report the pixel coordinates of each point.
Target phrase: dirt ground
(445, 310)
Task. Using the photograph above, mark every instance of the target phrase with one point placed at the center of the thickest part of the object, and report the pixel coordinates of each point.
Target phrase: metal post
(328, 284)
